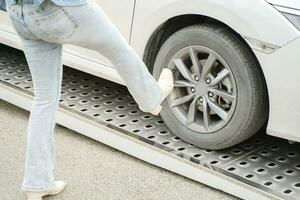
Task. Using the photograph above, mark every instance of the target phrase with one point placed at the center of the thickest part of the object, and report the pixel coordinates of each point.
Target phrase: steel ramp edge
(242, 171)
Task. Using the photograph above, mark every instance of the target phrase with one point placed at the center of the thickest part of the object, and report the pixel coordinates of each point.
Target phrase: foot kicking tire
(166, 83)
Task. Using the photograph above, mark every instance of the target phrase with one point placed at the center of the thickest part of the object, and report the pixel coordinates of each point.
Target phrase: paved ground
(93, 171)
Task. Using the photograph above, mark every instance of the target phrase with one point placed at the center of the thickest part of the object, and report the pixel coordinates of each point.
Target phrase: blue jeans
(42, 30)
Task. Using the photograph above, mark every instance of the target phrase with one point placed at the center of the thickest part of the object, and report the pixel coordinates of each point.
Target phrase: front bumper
(282, 73)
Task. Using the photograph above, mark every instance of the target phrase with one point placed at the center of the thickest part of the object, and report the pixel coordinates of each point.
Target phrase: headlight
(293, 15)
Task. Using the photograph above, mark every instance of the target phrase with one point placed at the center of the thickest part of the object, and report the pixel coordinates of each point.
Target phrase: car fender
(252, 18)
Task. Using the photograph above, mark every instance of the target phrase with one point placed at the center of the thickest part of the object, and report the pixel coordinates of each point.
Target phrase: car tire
(245, 75)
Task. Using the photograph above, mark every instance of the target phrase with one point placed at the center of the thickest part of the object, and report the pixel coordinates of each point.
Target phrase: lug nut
(196, 78)
(193, 90)
(201, 99)
(208, 81)
(210, 94)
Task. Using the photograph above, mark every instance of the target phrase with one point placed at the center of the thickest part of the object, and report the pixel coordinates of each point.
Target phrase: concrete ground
(93, 171)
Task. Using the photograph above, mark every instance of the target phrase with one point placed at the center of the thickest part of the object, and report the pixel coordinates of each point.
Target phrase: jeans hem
(156, 105)
(37, 189)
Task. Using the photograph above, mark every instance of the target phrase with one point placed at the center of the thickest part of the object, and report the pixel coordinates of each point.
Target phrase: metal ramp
(263, 167)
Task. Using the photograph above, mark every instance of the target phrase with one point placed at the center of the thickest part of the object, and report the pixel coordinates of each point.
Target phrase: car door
(121, 13)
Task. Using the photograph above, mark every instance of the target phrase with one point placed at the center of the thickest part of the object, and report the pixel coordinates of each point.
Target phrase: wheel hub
(201, 88)
(204, 95)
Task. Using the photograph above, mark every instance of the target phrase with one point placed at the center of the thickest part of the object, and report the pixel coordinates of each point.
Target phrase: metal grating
(267, 163)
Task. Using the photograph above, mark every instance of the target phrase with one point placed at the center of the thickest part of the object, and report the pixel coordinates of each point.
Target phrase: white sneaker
(58, 188)
(166, 83)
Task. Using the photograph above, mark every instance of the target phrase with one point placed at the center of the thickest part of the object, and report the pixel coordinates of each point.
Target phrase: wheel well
(164, 31)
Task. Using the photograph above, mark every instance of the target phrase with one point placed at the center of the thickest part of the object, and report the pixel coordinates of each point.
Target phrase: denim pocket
(16, 24)
(20, 27)
(54, 21)
(14, 11)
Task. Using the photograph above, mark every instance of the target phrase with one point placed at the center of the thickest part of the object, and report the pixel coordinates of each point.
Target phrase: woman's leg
(88, 26)
(96, 31)
(45, 64)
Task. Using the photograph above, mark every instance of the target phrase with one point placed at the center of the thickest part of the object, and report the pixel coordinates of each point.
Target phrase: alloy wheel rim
(205, 93)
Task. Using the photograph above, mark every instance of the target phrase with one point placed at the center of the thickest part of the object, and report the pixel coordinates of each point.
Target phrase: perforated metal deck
(264, 163)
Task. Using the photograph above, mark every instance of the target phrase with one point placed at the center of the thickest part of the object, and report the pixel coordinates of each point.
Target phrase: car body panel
(255, 19)
(282, 71)
(250, 18)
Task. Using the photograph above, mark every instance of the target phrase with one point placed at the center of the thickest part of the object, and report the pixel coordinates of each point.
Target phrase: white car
(236, 63)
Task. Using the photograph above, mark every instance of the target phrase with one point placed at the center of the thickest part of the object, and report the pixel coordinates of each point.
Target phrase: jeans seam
(72, 20)
(23, 19)
(53, 118)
